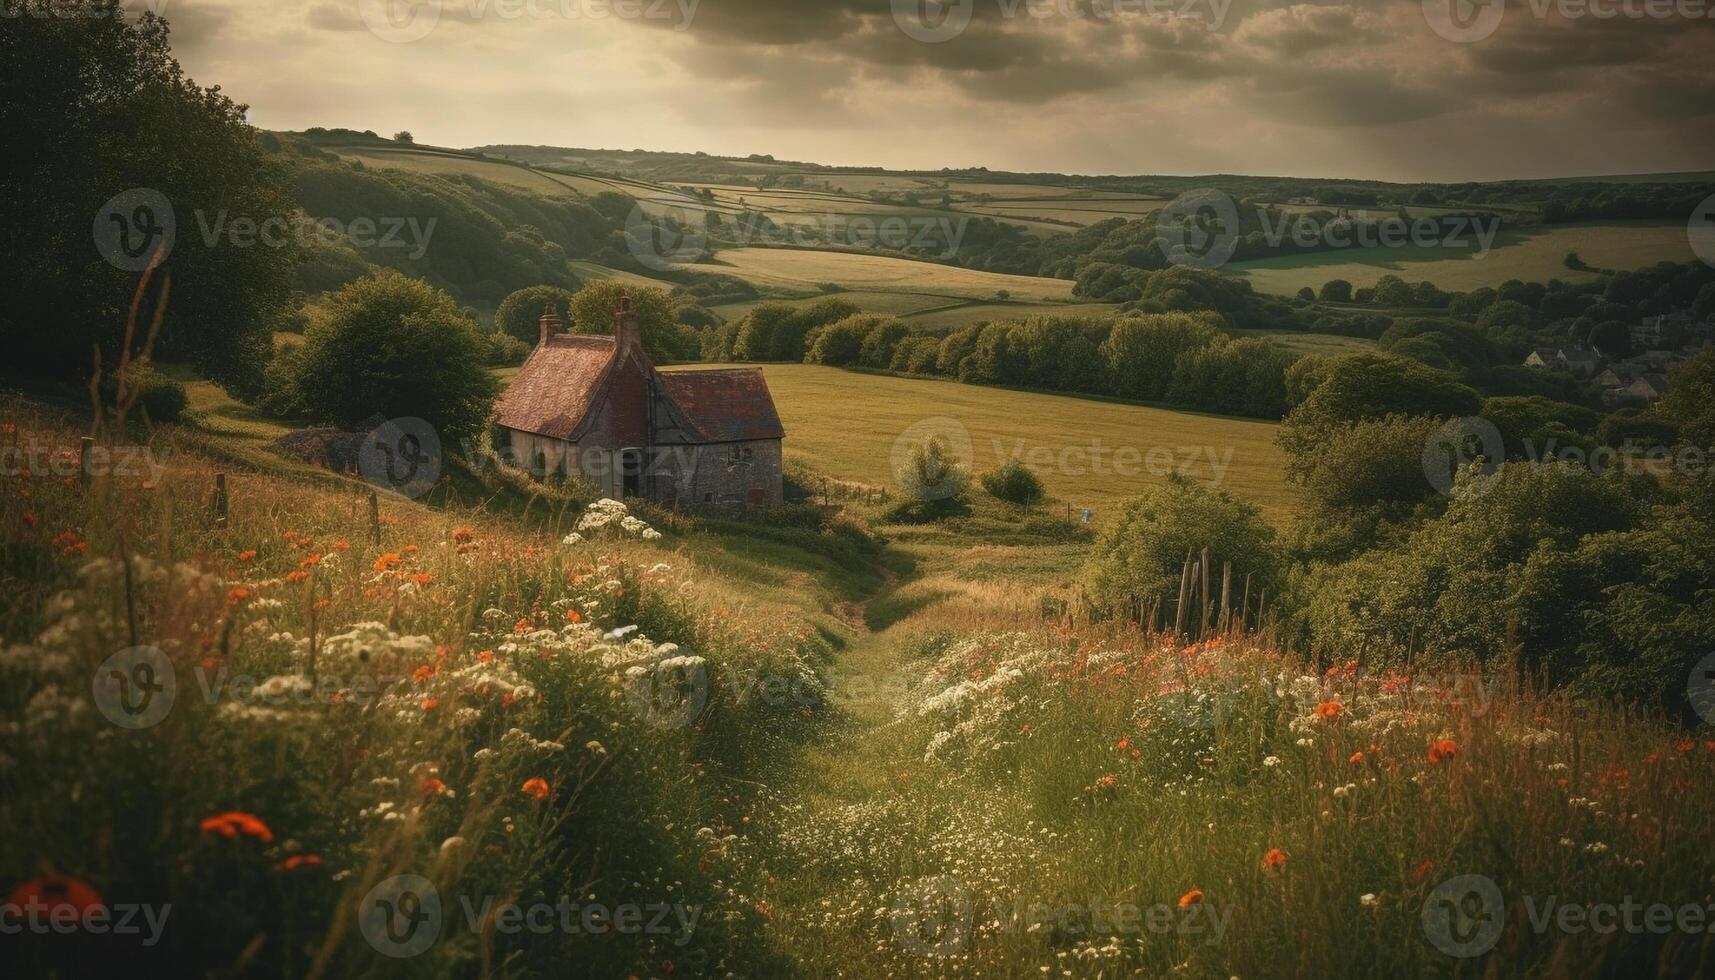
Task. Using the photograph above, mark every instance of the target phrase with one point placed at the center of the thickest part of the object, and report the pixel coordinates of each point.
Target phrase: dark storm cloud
(1346, 97)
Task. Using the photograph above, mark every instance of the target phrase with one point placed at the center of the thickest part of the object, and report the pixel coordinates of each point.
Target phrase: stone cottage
(596, 407)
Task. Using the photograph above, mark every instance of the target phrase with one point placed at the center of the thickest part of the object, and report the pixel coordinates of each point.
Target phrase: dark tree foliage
(97, 107)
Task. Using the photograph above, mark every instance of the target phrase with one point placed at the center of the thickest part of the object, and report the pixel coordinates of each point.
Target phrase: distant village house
(596, 407)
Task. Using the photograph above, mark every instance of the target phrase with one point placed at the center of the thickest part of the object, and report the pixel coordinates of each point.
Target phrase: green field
(805, 271)
(1533, 255)
(845, 424)
(1310, 343)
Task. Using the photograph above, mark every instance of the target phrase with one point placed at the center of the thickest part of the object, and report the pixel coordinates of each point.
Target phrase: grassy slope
(845, 424)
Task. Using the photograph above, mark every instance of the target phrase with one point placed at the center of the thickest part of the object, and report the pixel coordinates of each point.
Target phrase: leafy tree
(841, 343)
(1142, 554)
(664, 337)
(1573, 573)
(1612, 338)
(1307, 294)
(394, 346)
(880, 343)
(1374, 463)
(404, 136)
(1336, 291)
(1690, 399)
(520, 313)
(1238, 377)
(1372, 385)
(1014, 483)
(101, 108)
(791, 337)
(1141, 351)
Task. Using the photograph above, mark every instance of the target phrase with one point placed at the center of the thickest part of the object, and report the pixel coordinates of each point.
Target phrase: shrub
(520, 313)
(932, 471)
(1013, 482)
(1141, 556)
(397, 347)
(150, 391)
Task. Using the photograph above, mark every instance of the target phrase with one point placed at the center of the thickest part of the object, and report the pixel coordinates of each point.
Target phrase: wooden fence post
(85, 450)
(374, 518)
(220, 500)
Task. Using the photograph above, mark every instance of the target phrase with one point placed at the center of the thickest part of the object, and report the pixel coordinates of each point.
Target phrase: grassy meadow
(908, 763)
(845, 424)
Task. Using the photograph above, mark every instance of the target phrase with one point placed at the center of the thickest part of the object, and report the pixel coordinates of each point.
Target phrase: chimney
(627, 326)
(549, 324)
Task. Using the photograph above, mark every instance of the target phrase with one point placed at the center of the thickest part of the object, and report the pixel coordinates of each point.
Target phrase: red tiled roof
(731, 405)
(552, 392)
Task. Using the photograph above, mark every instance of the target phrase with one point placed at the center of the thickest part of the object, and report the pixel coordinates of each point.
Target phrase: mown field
(845, 424)
(806, 271)
(1530, 255)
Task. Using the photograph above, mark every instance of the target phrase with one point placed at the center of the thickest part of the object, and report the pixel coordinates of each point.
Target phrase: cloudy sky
(1390, 89)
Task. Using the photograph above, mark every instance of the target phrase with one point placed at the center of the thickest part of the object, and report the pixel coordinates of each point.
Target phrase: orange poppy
(1329, 710)
(247, 554)
(536, 786)
(1190, 898)
(56, 892)
(297, 861)
(1441, 749)
(1275, 858)
(235, 823)
(1356, 759)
